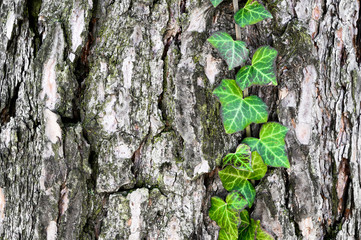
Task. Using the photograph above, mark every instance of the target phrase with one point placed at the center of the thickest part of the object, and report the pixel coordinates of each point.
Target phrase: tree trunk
(109, 129)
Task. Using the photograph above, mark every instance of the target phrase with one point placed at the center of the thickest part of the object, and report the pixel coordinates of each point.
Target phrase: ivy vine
(239, 110)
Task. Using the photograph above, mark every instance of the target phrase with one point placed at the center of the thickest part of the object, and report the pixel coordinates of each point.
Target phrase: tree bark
(109, 129)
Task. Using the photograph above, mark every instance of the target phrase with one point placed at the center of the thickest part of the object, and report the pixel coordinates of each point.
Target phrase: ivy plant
(216, 2)
(239, 112)
(227, 214)
(235, 179)
(233, 52)
(262, 71)
(250, 160)
(253, 12)
(271, 144)
(241, 159)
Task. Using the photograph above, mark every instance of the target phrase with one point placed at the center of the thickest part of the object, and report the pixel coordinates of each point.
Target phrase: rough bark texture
(109, 130)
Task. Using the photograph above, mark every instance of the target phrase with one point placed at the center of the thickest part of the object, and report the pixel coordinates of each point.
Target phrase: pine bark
(109, 129)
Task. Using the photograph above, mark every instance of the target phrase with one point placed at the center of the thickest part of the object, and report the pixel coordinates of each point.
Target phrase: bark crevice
(33, 10)
(10, 111)
(357, 39)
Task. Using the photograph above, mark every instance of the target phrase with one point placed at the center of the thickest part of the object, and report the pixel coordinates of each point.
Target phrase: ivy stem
(238, 28)
(238, 37)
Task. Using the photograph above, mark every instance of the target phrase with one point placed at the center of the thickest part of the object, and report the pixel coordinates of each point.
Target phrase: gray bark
(109, 129)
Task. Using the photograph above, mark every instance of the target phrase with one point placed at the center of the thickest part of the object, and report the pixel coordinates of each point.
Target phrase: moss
(271, 5)
(196, 59)
(299, 42)
(212, 139)
(56, 149)
(160, 180)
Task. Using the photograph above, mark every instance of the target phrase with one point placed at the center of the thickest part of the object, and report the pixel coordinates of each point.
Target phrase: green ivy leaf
(251, 13)
(224, 235)
(226, 214)
(235, 179)
(245, 222)
(224, 217)
(271, 144)
(262, 234)
(262, 71)
(237, 112)
(241, 159)
(216, 2)
(233, 52)
(236, 202)
(252, 230)
(244, 219)
(248, 233)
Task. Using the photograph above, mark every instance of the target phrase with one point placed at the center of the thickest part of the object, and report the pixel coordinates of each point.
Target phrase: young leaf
(216, 2)
(271, 144)
(241, 159)
(262, 71)
(251, 13)
(237, 112)
(226, 214)
(234, 179)
(233, 52)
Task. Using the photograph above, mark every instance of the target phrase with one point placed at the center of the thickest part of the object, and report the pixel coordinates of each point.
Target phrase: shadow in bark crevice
(357, 38)
(33, 10)
(8, 112)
